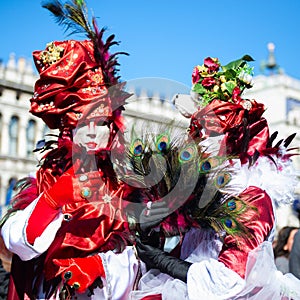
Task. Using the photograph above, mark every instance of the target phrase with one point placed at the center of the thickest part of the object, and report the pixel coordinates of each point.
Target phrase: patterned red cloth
(71, 84)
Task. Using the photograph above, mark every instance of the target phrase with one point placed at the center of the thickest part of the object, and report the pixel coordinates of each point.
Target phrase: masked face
(92, 135)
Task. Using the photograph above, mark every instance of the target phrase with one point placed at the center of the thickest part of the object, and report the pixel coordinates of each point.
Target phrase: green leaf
(237, 63)
(230, 86)
(247, 58)
(198, 88)
(230, 73)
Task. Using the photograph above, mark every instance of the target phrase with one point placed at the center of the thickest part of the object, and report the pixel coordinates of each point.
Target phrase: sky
(166, 39)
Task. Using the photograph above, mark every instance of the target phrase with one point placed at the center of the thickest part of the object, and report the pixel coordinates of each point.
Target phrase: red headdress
(77, 78)
(78, 81)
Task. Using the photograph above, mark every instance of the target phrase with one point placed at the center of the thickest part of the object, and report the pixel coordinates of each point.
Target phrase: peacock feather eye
(231, 204)
(228, 223)
(222, 179)
(209, 164)
(162, 142)
(187, 154)
(235, 204)
(137, 147)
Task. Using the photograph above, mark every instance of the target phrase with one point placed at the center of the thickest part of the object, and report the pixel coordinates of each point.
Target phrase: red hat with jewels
(77, 78)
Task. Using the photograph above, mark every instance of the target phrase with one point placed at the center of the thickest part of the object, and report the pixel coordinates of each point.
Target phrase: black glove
(153, 215)
(157, 259)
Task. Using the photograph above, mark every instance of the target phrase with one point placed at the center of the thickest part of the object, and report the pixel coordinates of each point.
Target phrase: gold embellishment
(101, 110)
(85, 192)
(76, 285)
(52, 54)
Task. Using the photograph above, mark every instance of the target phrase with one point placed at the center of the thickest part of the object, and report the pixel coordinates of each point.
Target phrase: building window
(30, 136)
(293, 111)
(13, 136)
(10, 190)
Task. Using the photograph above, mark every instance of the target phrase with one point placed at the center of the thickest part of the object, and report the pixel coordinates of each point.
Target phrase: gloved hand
(152, 215)
(69, 188)
(80, 273)
(155, 258)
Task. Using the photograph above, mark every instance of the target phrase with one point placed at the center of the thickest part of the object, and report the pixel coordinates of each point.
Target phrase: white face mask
(93, 136)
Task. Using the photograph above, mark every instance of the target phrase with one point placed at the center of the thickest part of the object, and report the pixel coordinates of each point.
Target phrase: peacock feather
(211, 163)
(226, 216)
(174, 168)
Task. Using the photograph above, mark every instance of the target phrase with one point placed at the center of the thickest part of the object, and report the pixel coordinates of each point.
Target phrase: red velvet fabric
(238, 142)
(235, 251)
(94, 225)
(40, 218)
(219, 116)
(69, 87)
(245, 131)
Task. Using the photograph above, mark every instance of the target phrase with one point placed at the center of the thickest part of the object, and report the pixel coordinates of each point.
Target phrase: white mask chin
(91, 136)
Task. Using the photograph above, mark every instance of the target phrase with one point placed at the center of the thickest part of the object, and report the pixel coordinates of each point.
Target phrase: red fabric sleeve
(40, 218)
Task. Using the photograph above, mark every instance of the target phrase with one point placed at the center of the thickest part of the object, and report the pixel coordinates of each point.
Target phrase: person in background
(294, 262)
(4, 279)
(283, 248)
(5, 265)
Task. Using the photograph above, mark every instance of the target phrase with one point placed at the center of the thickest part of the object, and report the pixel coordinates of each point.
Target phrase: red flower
(195, 75)
(208, 82)
(236, 92)
(212, 64)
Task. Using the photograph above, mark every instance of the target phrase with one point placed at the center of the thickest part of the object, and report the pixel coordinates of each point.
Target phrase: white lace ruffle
(210, 279)
(264, 281)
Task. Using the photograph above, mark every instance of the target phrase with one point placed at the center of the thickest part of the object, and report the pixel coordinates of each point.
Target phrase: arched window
(30, 136)
(10, 190)
(13, 135)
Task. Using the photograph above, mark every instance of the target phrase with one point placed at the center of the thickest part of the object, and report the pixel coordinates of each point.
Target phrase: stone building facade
(19, 131)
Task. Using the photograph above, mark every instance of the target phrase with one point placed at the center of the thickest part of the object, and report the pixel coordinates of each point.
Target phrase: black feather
(272, 139)
(288, 140)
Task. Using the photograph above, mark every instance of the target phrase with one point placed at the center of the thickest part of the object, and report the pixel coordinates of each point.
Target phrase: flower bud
(223, 78)
(223, 87)
(216, 88)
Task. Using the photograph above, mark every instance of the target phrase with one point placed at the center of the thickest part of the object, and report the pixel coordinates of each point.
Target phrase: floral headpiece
(77, 78)
(222, 110)
(214, 81)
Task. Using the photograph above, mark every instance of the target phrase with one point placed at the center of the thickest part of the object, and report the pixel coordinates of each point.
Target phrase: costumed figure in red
(67, 227)
(226, 224)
